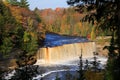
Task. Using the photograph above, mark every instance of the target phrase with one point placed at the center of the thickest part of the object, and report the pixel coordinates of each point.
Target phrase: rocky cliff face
(66, 52)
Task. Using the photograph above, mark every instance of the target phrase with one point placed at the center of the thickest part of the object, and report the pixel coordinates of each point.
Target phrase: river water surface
(61, 69)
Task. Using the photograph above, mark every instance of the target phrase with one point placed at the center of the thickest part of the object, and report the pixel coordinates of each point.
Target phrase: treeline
(68, 22)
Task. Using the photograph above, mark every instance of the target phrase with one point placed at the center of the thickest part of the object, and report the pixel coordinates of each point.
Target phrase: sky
(42, 4)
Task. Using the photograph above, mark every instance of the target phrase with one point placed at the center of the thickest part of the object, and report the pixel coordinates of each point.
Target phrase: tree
(21, 3)
(81, 71)
(14, 37)
(106, 14)
(24, 3)
(6, 46)
(10, 30)
(25, 73)
(30, 44)
(13, 2)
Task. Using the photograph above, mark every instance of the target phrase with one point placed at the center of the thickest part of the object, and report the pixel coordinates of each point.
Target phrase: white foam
(9, 75)
(102, 60)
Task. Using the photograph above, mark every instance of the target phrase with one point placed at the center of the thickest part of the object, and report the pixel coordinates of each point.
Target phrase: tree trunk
(118, 24)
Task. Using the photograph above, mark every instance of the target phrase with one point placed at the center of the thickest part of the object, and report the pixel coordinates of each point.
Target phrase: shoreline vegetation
(22, 32)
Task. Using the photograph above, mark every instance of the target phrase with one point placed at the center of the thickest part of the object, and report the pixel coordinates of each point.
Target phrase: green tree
(21, 3)
(30, 44)
(81, 71)
(107, 15)
(7, 46)
(13, 2)
(24, 3)
(10, 30)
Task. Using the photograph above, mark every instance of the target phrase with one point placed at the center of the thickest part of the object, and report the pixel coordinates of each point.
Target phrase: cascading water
(62, 48)
(59, 48)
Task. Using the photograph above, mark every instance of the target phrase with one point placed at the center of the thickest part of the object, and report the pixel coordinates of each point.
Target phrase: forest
(69, 22)
(22, 31)
(19, 29)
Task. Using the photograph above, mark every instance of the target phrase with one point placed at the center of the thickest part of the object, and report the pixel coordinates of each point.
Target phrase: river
(60, 69)
(52, 40)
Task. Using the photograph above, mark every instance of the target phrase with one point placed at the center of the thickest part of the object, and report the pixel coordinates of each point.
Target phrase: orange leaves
(57, 9)
(64, 21)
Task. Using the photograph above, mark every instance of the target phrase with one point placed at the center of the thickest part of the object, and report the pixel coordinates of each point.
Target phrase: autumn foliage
(67, 21)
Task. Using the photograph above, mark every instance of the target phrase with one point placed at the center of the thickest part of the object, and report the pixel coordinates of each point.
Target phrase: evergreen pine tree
(24, 3)
(13, 2)
(107, 15)
(11, 32)
(81, 71)
(6, 46)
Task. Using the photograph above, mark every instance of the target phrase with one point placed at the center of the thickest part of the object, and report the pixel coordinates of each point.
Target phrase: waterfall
(66, 52)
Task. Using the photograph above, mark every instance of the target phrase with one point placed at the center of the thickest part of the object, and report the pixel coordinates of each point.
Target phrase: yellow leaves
(30, 22)
(16, 13)
(5, 2)
(26, 36)
(79, 24)
(93, 33)
(33, 34)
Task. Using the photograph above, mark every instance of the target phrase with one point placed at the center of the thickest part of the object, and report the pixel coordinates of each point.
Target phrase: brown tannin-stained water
(62, 48)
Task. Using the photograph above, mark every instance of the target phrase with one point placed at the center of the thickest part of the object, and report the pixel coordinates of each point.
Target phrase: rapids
(60, 56)
(68, 68)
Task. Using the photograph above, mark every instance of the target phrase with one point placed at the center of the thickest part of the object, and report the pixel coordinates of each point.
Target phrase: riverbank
(61, 69)
(50, 71)
(10, 64)
(101, 42)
